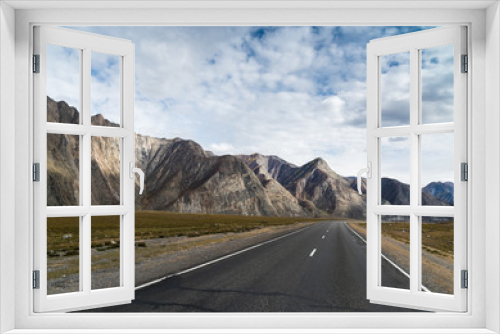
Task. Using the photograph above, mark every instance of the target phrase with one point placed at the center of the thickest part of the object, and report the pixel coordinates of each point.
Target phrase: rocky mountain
(269, 169)
(105, 165)
(398, 193)
(63, 155)
(443, 191)
(395, 192)
(320, 190)
(62, 170)
(61, 112)
(182, 177)
(268, 166)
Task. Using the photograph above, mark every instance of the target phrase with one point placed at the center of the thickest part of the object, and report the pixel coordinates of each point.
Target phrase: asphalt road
(321, 268)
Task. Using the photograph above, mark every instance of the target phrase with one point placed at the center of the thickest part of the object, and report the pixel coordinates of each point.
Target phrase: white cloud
(335, 105)
(105, 87)
(295, 92)
(63, 74)
(222, 148)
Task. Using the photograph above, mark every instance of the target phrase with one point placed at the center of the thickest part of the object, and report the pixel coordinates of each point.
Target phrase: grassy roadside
(192, 230)
(63, 233)
(437, 250)
(437, 238)
(154, 224)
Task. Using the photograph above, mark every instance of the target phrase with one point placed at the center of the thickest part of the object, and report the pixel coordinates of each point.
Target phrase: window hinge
(464, 171)
(36, 172)
(465, 64)
(36, 279)
(465, 279)
(36, 63)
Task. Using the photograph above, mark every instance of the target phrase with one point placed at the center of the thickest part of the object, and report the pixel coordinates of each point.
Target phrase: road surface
(321, 268)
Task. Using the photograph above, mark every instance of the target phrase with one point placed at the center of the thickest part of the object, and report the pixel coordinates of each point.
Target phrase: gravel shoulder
(437, 269)
(159, 257)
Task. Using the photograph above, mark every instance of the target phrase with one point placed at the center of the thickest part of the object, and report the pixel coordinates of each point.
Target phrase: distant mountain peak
(321, 163)
(99, 120)
(320, 190)
(439, 183)
(443, 191)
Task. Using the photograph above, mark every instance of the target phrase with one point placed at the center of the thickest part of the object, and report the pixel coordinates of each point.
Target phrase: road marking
(386, 258)
(322, 237)
(221, 258)
(312, 253)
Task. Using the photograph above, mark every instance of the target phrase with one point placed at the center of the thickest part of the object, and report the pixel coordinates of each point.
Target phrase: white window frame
(484, 103)
(85, 297)
(413, 44)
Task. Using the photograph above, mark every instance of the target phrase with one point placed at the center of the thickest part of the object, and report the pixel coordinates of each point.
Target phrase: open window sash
(84, 296)
(417, 296)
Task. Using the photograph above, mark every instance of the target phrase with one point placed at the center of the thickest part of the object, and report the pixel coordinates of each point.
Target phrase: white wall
(482, 181)
(492, 165)
(7, 161)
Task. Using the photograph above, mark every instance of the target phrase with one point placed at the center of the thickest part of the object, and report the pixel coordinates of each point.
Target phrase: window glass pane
(437, 84)
(105, 171)
(437, 254)
(395, 251)
(437, 169)
(395, 170)
(63, 259)
(105, 89)
(395, 89)
(63, 170)
(63, 84)
(105, 232)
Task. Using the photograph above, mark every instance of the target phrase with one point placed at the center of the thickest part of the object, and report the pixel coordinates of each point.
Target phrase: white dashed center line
(322, 237)
(312, 253)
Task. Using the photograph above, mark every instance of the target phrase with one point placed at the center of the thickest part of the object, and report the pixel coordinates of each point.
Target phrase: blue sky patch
(286, 91)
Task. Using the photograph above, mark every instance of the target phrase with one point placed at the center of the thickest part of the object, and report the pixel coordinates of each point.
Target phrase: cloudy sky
(295, 92)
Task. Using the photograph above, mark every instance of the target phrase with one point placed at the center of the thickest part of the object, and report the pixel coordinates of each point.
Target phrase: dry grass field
(150, 228)
(437, 250)
(437, 238)
(63, 233)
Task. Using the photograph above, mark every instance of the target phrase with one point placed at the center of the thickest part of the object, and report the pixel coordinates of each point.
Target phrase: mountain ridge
(183, 177)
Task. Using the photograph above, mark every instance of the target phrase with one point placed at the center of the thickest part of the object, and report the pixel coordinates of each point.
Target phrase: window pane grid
(85, 129)
(66, 121)
(437, 107)
(422, 269)
(432, 268)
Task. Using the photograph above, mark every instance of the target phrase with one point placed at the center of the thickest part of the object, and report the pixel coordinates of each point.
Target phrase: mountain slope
(443, 191)
(395, 192)
(268, 169)
(328, 191)
(63, 155)
(319, 189)
(268, 166)
(182, 177)
(398, 193)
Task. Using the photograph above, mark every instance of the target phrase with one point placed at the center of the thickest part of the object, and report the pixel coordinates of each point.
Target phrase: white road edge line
(386, 258)
(220, 259)
(312, 253)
